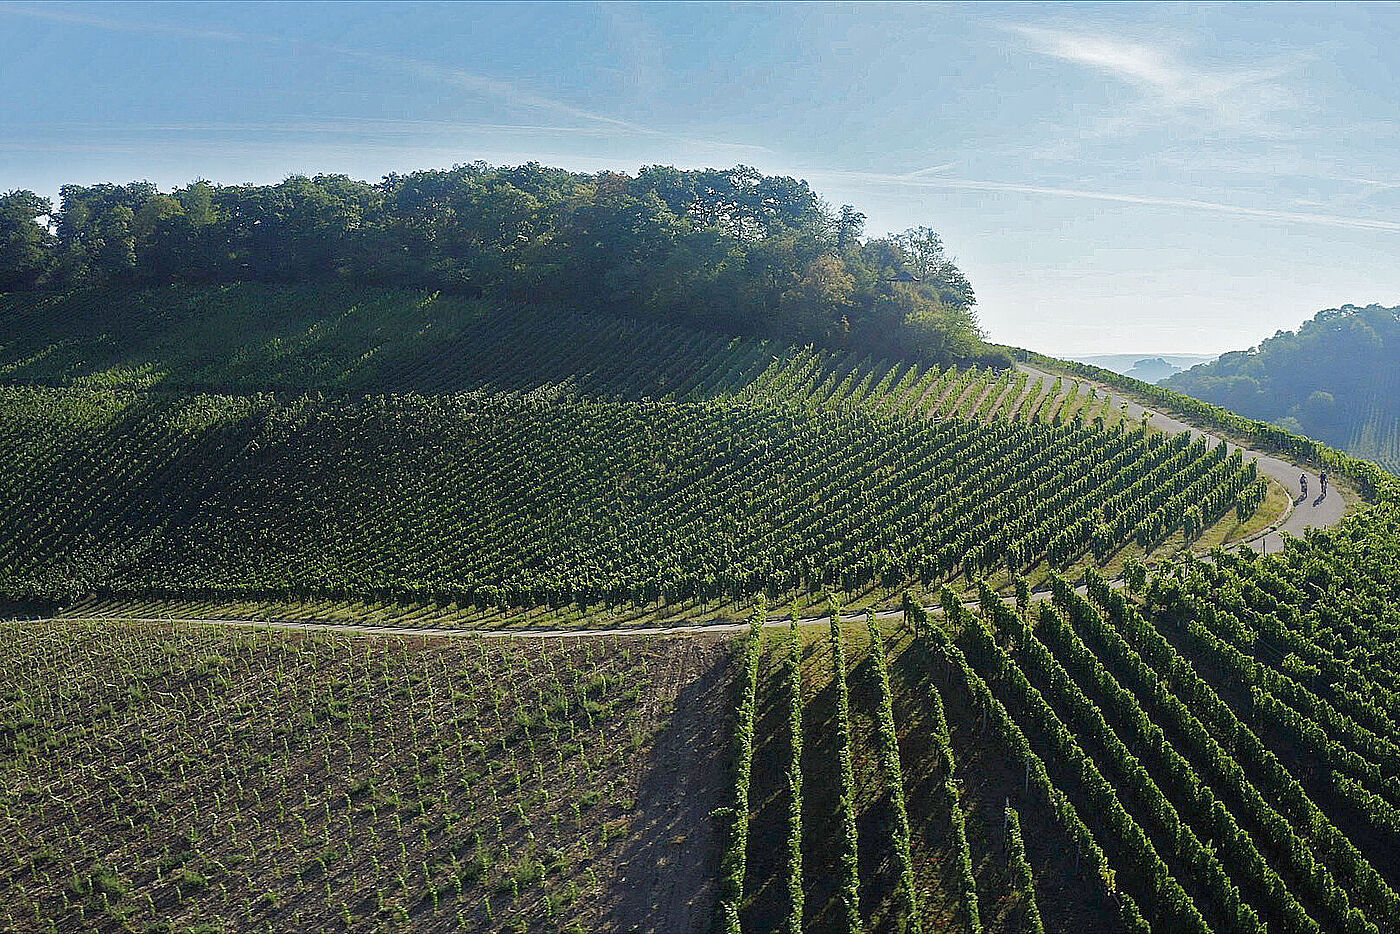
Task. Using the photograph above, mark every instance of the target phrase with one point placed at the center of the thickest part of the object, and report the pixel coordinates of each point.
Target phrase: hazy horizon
(1154, 353)
(1110, 178)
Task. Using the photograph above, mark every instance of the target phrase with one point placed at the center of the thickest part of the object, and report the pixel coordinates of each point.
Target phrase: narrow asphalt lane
(1312, 512)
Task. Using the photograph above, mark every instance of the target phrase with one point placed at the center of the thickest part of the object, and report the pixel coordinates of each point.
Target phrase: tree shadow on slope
(879, 871)
(1068, 897)
(821, 789)
(934, 866)
(666, 870)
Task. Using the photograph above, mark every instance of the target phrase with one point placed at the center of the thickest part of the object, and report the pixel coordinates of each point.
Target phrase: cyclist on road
(1303, 482)
(1324, 485)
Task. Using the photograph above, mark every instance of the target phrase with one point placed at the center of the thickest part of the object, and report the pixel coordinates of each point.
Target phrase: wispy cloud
(1248, 98)
(513, 94)
(1130, 61)
(932, 170)
(1189, 204)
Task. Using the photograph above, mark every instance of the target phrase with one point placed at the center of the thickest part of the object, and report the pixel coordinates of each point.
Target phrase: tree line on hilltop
(730, 250)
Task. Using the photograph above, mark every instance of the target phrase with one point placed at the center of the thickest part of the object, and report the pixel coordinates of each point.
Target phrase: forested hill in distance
(1337, 379)
(728, 251)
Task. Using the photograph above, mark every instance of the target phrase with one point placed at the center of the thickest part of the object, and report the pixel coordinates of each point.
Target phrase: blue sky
(1166, 178)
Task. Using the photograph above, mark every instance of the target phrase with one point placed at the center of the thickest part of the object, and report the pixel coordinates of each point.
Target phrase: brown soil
(175, 777)
(665, 879)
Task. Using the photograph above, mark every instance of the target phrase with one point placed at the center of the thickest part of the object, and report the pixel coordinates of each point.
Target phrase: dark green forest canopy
(731, 251)
(1336, 378)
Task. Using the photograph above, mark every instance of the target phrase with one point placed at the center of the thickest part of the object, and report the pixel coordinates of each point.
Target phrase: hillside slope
(250, 337)
(1213, 747)
(1337, 378)
(396, 446)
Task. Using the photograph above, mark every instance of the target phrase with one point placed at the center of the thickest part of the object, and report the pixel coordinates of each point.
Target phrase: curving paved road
(1314, 513)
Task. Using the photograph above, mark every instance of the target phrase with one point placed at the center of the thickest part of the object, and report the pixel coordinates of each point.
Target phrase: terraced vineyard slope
(531, 469)
(250, 338)
(500, 505)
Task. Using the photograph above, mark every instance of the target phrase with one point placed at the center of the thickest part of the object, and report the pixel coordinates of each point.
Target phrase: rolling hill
(528, 465)
(308, 584)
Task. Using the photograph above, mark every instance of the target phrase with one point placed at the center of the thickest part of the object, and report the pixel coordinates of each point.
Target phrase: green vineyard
(956, 649)
(287, 339)
(501, 503)
(1218, 755)
(521, 472)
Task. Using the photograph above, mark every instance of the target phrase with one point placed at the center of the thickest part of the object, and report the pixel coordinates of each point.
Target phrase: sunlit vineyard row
(1196, 758)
